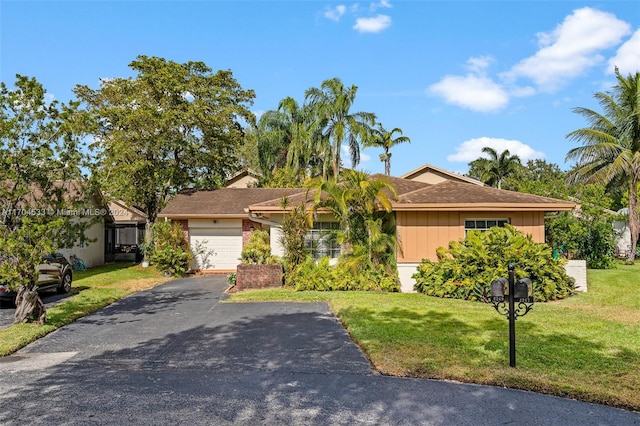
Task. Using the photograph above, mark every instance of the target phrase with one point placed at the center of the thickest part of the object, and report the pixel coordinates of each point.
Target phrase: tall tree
(494, 169)
(357, 200)
(540, 178)
(332, 103)
(41, 188)
(385, 139)
(169, 127)
(611, 144)
(284, 139)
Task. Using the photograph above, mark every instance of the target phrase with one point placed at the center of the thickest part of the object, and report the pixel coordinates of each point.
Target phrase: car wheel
(65, 285)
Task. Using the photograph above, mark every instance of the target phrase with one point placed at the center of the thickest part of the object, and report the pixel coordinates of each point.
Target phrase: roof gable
(434, 175)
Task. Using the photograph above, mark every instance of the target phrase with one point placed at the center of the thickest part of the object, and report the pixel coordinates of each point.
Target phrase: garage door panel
(216, 248)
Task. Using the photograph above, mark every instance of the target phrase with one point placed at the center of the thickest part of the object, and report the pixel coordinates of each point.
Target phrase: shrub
(467, 268)
(321, 276)
(257, 251)
(170, 250)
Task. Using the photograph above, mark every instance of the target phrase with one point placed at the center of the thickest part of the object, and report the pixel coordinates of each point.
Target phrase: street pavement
(176, 355)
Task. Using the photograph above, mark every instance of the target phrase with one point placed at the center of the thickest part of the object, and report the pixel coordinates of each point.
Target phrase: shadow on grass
(561, 363)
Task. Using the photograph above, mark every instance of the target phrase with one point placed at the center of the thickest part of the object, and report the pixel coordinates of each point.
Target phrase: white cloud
(571, 48)
(380, 4)
(372, 25)
(336, 13)
(627, 57)
(477, 93)
(472, 149)
(346, 156)
(479, 64)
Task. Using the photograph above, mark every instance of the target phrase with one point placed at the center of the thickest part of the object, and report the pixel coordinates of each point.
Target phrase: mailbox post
(520, 293)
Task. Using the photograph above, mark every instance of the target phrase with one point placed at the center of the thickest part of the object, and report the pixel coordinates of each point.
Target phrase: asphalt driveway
(175, 355)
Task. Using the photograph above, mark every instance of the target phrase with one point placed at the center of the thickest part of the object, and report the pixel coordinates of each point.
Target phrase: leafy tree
(494, 169)
(332, 104)
(540, 178)
(171, 126)
(385, 139)
(587, 233)
(611, 144)
(42, 189)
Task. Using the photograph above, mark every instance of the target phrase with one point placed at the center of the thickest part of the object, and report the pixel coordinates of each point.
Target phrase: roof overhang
(201, 216)
(438, 207)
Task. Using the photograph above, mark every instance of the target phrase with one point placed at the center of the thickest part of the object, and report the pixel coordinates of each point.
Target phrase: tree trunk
(148, 240)
(29, 306)
(633, 220)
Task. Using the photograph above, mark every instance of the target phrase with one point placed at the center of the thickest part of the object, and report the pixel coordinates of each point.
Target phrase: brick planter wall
(258, 276)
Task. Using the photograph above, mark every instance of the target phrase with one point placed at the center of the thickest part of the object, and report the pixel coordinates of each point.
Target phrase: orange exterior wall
(421, 233)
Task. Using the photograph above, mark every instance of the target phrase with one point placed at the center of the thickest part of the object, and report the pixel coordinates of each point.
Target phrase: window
(321, 240)
(482, 224)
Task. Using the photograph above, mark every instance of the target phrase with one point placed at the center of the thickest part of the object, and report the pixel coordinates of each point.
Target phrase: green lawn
(93, 289)
(585, 347)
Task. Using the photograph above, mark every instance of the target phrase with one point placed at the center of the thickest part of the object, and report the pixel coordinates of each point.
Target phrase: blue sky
(453, 75)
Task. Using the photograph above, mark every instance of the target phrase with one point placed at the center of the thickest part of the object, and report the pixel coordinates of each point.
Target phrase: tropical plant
(257, 251)
(611, 144)
(322, 276)
(337, 124)
(356, 199)
(382, 138)
(494, 169)
(295, 226)
(588, 232)
(466, 269)
(171, 252)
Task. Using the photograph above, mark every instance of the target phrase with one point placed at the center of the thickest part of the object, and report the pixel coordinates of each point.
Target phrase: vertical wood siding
(421, 233)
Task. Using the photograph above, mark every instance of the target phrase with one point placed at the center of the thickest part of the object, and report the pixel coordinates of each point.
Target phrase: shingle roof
(460, 196)
(412, 195)
(223, 202)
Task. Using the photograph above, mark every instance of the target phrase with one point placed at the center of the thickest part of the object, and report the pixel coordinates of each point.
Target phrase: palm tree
(496, 168)
(284, 138)
(610, 148)
(332, 103)
(384, 139)
(356, 199)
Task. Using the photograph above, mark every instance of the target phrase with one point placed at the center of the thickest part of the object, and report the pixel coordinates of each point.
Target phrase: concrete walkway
(175, 355)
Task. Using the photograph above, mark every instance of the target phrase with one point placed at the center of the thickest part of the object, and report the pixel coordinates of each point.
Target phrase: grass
(92, 290)
(585, 347)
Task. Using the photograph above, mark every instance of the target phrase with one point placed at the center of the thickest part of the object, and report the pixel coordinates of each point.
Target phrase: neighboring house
(432, 174)
(243, 179)
(428, 216)
(124, 234)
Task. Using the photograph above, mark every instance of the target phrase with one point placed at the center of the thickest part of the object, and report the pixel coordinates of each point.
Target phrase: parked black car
(55, 273)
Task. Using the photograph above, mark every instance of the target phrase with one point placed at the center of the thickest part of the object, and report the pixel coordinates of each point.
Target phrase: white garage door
(216, 248)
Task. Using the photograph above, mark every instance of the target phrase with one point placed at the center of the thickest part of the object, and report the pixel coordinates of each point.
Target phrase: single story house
(428, 215)
(123, 235)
